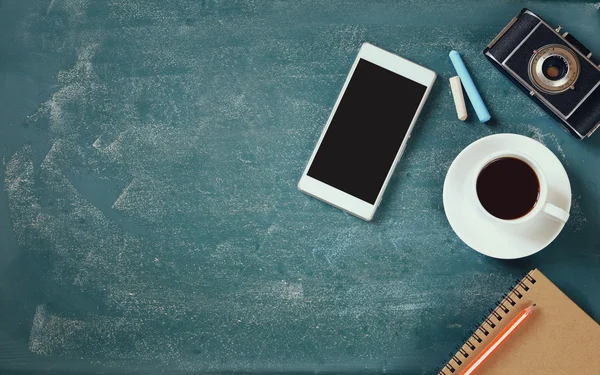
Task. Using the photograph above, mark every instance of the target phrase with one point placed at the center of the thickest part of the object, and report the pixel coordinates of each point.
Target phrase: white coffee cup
(541, 207)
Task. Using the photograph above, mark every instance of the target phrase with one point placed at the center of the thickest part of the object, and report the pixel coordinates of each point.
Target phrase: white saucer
(481, 233)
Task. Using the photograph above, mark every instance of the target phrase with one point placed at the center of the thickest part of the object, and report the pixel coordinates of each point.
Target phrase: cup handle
(556, 213)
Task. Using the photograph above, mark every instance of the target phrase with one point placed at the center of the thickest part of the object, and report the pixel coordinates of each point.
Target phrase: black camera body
(554, 70)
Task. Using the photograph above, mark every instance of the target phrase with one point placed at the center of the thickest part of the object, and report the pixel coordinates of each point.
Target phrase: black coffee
(508, 188)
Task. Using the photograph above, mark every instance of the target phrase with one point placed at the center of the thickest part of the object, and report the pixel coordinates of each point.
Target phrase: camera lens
(555, 67)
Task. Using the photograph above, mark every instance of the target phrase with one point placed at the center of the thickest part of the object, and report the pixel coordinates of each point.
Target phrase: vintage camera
(554, 69)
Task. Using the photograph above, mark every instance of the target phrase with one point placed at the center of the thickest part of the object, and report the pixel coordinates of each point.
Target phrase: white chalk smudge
(50, 6)
(61, 336)
(409, 306)
(288, 291)
(112, 151)
(547, 139)
(74, 84)
(123, 195)
(97, 143)
(19, 182)
(577, 220)
(75, 9)
(49, 332)
(37, 343)
(144, 198)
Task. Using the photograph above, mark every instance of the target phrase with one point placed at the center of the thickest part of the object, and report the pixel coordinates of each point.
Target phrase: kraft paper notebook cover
(559, 338)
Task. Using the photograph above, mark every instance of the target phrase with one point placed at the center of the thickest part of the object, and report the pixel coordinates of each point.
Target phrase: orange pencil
(503, 335)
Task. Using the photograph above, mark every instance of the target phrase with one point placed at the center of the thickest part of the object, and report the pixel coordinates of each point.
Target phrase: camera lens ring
(553, 69)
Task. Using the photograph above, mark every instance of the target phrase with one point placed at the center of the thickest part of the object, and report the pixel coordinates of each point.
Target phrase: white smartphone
(367, 131)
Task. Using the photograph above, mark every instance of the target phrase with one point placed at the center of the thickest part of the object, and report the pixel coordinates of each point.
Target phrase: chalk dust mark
(112, 151)
(55, 156)
(577, 220)
(50, 7)
(36, 344)
(19, 184)
(547, 139)
(410, 306)
(123, 194)
(97, 143)
(145, 198)
(56, 335)
(75, 9)
(288, 291)
(50, 332)
(75, 83)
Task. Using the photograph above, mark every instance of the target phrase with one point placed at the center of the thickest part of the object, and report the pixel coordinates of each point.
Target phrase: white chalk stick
(459, 99)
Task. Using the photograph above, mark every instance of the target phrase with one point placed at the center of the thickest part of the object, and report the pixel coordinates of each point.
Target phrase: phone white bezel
(336, 197)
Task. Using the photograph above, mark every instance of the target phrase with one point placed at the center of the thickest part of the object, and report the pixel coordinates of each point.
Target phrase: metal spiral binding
(476, 335)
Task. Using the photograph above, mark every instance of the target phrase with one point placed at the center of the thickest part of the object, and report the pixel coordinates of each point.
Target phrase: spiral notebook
(559, 338)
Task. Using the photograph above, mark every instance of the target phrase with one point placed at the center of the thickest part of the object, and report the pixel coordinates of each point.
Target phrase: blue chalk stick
(467, 82)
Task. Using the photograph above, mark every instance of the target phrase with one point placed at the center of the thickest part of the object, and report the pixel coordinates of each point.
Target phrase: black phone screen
(367, 131)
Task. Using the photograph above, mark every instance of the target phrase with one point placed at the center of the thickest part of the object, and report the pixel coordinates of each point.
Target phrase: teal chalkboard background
(149, 217)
